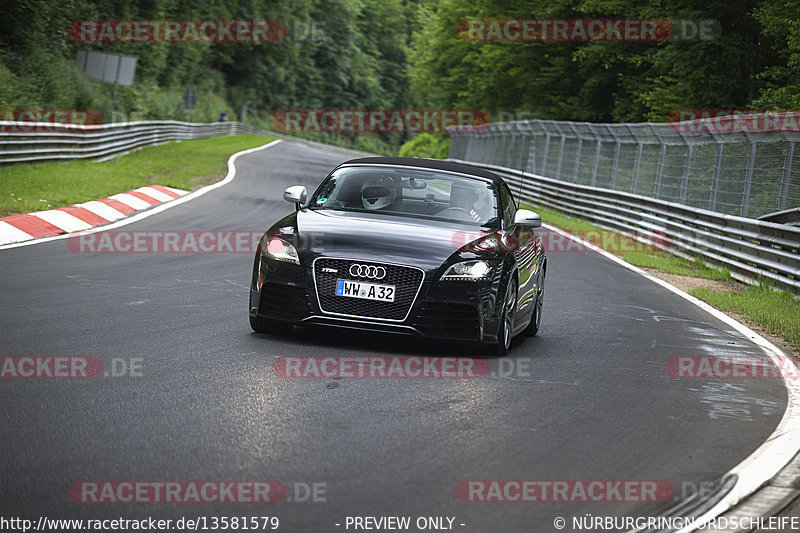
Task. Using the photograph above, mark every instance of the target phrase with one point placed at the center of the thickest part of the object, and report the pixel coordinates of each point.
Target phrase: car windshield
(406, 192)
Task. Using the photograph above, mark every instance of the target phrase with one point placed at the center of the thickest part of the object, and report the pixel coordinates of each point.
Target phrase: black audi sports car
(403, 245)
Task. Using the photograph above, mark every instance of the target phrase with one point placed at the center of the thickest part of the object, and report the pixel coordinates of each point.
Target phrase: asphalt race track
(590, 398)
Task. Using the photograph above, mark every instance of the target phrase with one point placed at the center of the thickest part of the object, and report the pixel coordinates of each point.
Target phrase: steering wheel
(459, 213)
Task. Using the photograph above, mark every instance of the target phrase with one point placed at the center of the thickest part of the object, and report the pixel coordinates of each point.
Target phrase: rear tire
(274, 327)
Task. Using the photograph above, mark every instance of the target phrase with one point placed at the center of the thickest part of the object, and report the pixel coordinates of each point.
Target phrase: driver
(464, 197)
(377, 193)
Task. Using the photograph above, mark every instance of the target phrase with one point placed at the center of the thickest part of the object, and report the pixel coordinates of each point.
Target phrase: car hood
(392, 239)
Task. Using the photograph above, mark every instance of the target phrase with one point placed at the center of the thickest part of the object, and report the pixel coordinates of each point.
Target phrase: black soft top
(436, 164)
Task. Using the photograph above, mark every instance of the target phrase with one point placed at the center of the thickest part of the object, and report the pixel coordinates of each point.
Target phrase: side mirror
(297, 195)
(527, 219)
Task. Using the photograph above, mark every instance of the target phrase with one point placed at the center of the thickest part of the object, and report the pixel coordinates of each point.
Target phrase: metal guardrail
(743, 164)
(29, 142)
(37, 141)
(749, 248)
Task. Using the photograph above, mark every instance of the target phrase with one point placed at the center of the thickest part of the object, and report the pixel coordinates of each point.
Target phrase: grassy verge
(634, 252)
(778, 310)
(182, 164)
(775, 312)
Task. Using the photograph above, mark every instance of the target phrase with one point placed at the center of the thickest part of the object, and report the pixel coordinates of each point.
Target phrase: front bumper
(448, 310)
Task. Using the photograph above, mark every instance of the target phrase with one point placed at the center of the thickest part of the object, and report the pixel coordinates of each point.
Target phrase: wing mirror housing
(527, 219)
(297, 195)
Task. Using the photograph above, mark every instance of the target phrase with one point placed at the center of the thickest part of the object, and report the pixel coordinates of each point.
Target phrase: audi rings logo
(367, 271)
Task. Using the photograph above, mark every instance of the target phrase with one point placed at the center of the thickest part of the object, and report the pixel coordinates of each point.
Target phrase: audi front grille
(407, 281)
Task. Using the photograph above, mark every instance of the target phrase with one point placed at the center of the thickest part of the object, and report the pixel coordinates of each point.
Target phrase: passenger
(464, 197)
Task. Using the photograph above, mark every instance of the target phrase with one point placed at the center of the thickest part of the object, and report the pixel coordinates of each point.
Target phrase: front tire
(536, 319)
(506, 330)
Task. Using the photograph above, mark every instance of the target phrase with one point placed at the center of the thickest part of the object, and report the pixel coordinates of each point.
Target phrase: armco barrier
(27, 142)
(34, 141)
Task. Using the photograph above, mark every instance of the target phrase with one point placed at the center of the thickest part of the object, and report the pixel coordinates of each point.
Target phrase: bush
(429, 145)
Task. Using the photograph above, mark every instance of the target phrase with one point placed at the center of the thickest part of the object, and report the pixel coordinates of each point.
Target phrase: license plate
(366, 291)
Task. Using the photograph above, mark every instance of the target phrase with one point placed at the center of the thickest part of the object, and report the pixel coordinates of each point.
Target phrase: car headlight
(469, 271)
(277, 248)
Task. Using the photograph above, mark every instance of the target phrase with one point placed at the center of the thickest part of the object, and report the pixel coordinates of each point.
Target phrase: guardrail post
(502, 147)
(687, 163)
(546, 151)
(578, 150)
(511, 147)
(522, 152)
(469, 139)
(636, 163)
(453, 146)
(456, 143)
(615, 165)
(748, 177)
(499, 141)
(491, 146)
(485, 145)
(495, 148)
(482, 147)
(531, 165)
(596, 159)
(560, 154)
(787, 172)
(662, 154)
(712, 203)
(578, 159)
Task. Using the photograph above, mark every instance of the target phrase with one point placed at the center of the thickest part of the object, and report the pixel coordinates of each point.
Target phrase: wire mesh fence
(744, 165)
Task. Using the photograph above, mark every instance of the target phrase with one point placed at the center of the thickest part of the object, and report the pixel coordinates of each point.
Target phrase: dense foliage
(753, 62)
(402, 54)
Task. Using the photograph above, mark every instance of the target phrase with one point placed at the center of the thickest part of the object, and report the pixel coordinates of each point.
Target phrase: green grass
(632, 251)
(777, 311)
(182, 164)
(672, 264)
